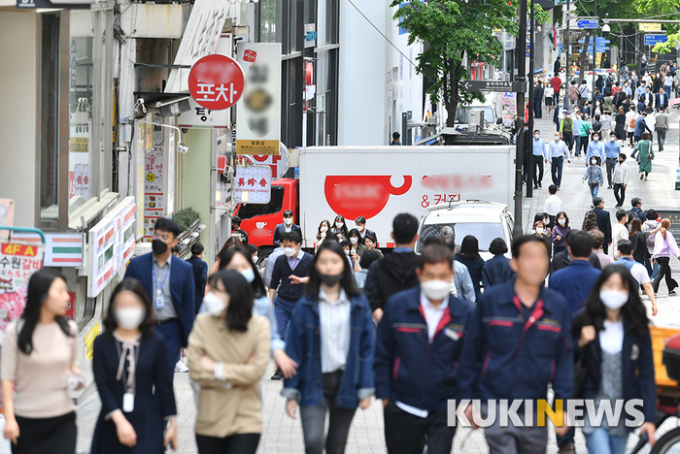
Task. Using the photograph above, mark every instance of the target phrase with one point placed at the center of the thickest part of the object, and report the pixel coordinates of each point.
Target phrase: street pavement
(284, 435)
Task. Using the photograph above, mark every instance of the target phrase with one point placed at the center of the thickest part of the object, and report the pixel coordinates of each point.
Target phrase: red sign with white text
(216, 82)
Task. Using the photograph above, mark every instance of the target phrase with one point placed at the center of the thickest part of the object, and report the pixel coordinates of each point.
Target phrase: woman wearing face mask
(353, 259)
(620, 128)
(613, 340)
(340, 228)
(355, 241)
(559, 232)
(594, 177)
(331, 334)
(371, 243)
(665, 247)
(39, 362)
(468, 255)
(644, 146)
(322, 232)
(129, 366)
(540, 231)
(228, 353)
(236, 259)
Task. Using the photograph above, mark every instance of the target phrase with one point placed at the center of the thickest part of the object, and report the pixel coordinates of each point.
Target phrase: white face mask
(612, 139)
(539, 229)
(436, 290)
(339, 225)
(596, 139)
(354, 240)
(324, 229)
(593, 162)
(562, 221)
(249, 274)
(289, 251)
(214, 304)
(347, 252)
(536, 136)
(129, 317)
(255, 258)
(557, 138)
(288, 221)
(613, 299)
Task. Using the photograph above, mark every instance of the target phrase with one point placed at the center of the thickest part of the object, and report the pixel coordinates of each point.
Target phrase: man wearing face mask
(170, 284)
(595, 149)
(361, 227)
(286, 227)
(200, 269)
(557, 153)
(638, 271)
(612, 149)
(290, 273)
(421, 335)
(540, 154)
(620, 180)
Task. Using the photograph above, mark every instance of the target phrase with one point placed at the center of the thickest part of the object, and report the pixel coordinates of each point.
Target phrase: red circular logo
(216, 82)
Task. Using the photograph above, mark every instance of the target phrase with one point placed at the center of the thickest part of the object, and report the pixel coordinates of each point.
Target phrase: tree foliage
(671, 10)
(452, 30)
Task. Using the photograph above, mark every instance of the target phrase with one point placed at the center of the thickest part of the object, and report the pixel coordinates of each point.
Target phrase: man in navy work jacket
(518, 342)
(286, 227)
(170, 285)
(288, 279)
(419, 341)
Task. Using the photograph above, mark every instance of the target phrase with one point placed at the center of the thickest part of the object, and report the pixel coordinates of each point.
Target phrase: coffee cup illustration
(362, 195)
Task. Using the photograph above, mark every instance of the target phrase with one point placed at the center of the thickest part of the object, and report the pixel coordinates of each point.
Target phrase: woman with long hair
(468, 255)
(332, 336)
(129, 365)
(644, 147)
(340, 228)
(323, 230)
(39, 359)
(228, 353)
(615, 348)
(589, 222)
(639, 240)
(560, 231)
(665, 247)
(236, 259)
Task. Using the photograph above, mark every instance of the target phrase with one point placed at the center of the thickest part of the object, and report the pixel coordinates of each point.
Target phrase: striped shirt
(334, 320)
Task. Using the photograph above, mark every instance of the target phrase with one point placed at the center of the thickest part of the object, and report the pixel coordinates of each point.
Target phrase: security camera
(605, 31)
(181, 148)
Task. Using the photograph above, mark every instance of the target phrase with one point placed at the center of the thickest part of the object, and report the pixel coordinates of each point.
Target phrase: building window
(49, 118)
(268, 21)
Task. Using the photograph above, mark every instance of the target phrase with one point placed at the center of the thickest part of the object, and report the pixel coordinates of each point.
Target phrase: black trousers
(584, 145)
(538, 169)
(568, 140)
(47, 435)
(234, 444)
(611, 163)
(664, 273)
(408, 434)
(619, 194)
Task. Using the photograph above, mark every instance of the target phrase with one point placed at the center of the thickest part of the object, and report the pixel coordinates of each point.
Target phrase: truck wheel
(265, 252)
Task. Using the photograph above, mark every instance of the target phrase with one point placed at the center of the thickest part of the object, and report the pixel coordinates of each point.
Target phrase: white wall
(376, 82)
(18, 78)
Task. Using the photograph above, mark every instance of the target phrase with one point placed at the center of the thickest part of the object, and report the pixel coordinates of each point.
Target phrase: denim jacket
(303, 345)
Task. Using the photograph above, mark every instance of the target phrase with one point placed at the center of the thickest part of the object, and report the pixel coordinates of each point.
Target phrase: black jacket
(562, 260)
(200, 269)
(604, 223)
(394, 273)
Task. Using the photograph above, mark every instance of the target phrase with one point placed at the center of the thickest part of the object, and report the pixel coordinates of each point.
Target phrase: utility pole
(520, 77)
(594, 57)
(532, 101)
(567, 80)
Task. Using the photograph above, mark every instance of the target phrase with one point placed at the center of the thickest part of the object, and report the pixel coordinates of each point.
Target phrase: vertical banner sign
(140, 163)
(259, 112)
(153, 191)
(18, 261)
(170, 174)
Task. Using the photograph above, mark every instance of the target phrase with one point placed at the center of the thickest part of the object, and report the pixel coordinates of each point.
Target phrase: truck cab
(261, 220)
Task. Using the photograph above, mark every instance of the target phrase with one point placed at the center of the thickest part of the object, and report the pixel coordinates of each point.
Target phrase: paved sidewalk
(284, 435)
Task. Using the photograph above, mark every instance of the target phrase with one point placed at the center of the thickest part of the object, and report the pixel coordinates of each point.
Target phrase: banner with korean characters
(112, 242)
(153, 191)
(259, 110)
(18, 261)
(256, 181)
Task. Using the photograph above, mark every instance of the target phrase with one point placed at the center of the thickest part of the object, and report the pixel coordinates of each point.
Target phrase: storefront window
(49, 118)
(80, 116)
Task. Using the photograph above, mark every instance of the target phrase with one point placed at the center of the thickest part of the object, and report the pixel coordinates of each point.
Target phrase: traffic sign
(651, 40)
(216, 82)
(494, 85)
(588, 22)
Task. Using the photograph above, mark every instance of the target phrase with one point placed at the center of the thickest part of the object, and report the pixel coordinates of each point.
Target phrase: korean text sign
(18, 261)
(257, 181)
(259, 112)
(216, 82)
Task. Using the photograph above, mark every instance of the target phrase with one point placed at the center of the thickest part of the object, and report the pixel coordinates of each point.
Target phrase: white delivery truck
(378, 183)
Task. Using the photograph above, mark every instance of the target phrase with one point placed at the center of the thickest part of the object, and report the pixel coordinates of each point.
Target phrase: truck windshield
(485, 232)
(274, 206)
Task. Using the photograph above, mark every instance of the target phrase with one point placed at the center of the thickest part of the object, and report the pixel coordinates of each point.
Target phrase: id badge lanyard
(159, 289)
(127, 350)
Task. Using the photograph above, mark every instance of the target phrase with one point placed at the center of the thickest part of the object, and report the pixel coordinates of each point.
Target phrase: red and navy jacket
(409, 368)
(508, 355)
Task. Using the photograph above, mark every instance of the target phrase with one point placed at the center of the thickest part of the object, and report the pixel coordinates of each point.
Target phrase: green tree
(671, 10)
(452, 30)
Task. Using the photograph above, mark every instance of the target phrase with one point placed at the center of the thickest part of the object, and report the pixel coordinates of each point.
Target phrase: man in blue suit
(661, 100)
(286, 227)
(170, 284)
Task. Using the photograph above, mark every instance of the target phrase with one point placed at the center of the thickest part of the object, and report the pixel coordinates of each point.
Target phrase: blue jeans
(600, 442)
(282, 310)
(556, 169)
(171, 332)
(594, 190)
(667, 89)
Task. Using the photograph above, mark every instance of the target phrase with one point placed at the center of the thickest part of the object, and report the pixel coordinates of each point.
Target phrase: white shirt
(334, 323)
(611, 339)
(619, 232)
(433, 316)
(553, 205)
(640, 273)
